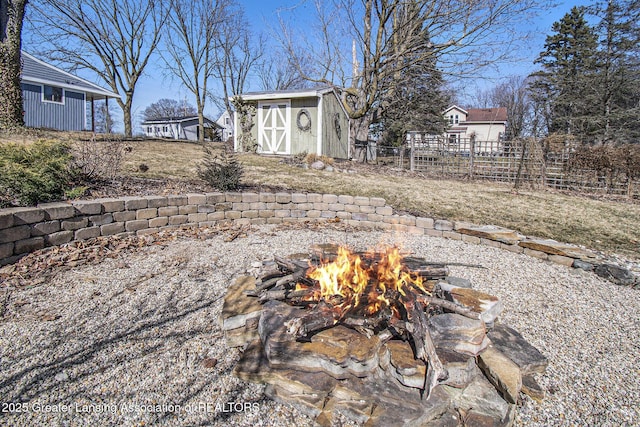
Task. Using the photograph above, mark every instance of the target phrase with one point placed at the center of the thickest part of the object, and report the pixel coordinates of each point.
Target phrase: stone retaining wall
(24, 230)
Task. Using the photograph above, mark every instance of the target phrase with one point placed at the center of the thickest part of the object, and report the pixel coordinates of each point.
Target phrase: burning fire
(352, 284)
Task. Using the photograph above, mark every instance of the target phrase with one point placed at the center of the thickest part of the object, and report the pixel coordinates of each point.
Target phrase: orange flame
(350, 284)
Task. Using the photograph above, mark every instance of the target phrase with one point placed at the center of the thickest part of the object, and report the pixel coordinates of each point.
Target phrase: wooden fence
(505, 161)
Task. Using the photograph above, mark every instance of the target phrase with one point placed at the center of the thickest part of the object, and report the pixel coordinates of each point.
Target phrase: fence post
(472, 154)
(412, 141)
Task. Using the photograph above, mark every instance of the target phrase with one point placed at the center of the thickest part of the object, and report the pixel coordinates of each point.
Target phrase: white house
(225, 121)
(184, 128)
(481, 124)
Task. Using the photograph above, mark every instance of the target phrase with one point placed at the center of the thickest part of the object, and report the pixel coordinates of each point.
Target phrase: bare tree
(236, 54)
(393, 35)
(11, 18)
(168, 108)
(191, 31)
(112, 38)
(514, 95)
(277, 72)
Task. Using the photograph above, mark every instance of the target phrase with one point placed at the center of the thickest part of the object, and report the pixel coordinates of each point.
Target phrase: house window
(456, 120)
(149, 129)
(451, 119)
(164, 129)
(53, 94)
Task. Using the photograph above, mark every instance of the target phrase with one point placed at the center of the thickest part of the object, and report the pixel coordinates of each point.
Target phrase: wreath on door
(303, 120)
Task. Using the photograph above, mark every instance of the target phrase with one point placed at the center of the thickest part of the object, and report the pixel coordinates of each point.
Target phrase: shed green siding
(335, 128)
(304, 141)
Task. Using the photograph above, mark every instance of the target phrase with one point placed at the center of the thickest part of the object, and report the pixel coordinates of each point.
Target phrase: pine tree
(413, 96)
(568, 76)
(618, 72)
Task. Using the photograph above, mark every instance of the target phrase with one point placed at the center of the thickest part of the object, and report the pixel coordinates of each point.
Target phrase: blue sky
(262, 16)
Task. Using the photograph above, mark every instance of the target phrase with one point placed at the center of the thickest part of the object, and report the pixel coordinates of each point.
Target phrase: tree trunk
(358, 138)
(11, 107)
(126, 112)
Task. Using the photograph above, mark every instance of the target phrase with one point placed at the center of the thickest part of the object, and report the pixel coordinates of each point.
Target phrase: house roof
(37, 71)
(281, 94)
(487, 115)
(168, 120)
(455, 107)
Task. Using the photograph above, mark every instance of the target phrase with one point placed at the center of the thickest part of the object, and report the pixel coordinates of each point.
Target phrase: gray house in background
(185, 128)
(56, 99)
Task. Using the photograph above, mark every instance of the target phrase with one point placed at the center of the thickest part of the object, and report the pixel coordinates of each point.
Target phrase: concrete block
(361, 201)
(283, 197)
(451, 235)
(314, 198)
(470, 239)
(298, 213)
(213, 198)
(57, 210)
(258, 221)
(168, 211)
(187, 209)
(112, 205)
(266, 214)
(250, 214)
(242, 221)
(177, 200)
(146, 231)
(374, 217)
(409, 220)
(536, 254)
(156, 201)
(299, 198)
(424, 222)
(232, 215)
(274, 220)
(28, 245)
(489, 242)
(240, 206)
(14, 234)
(320, 206)
(432, 233)
(512, 248)
(215, 216)
(443, 225)
(282, 213)
(384, 210)
(329, 198)
(124, 216)
(59, 238)
(195, 218)
(233, 197)
(359, 216)
(101, 219)
(44, 228)
(367, 209)
(87, 207)
(377, 201)
(337, 207)
(147, 213)
(267, 197)
(75, 223)
(351, 208)
(250, 197)
(206, 208)
(327, 214)
(158, 222)
(111, 229)
(313, 213)
(6, 250)
(6, 219)
(226, 206)
(86, 233)
(196, 199)
(343, 215)
(178, 219)
(257, 206)
(345, 200)
(136, 224)
(135, 203)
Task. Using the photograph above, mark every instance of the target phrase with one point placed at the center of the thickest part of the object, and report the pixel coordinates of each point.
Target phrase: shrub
(222, 170)
(313, 157)
(41, 172)
(100, 159)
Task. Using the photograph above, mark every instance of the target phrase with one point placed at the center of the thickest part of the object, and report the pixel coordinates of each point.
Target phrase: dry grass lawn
(612, 226)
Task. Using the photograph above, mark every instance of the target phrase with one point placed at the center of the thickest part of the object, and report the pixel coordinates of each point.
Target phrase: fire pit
(381, 338)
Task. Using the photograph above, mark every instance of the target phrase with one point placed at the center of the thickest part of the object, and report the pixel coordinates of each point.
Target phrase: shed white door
(274, 120)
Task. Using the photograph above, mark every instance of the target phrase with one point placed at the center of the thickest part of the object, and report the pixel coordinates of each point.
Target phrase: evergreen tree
(413, 97)
(618, 79)
(568, 76)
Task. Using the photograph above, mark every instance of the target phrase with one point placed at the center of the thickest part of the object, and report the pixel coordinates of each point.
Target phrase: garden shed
(292, 122)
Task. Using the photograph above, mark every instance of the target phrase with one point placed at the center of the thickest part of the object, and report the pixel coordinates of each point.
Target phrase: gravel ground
(135, 340)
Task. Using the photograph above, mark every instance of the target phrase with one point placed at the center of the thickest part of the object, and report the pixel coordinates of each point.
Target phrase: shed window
(53, 94)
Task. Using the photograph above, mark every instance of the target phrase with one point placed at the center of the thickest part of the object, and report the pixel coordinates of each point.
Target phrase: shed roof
(286, 94)
(37, 71)
(168, 120)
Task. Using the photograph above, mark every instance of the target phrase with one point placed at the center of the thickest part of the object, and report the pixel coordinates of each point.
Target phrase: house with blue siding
(56, 99)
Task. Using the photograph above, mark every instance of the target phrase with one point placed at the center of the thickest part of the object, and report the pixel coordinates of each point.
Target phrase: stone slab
(553, 247)
(524, 355)
(502, 372)
(493, 232)
(488, 306)
(457, 333)
(238, 307)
